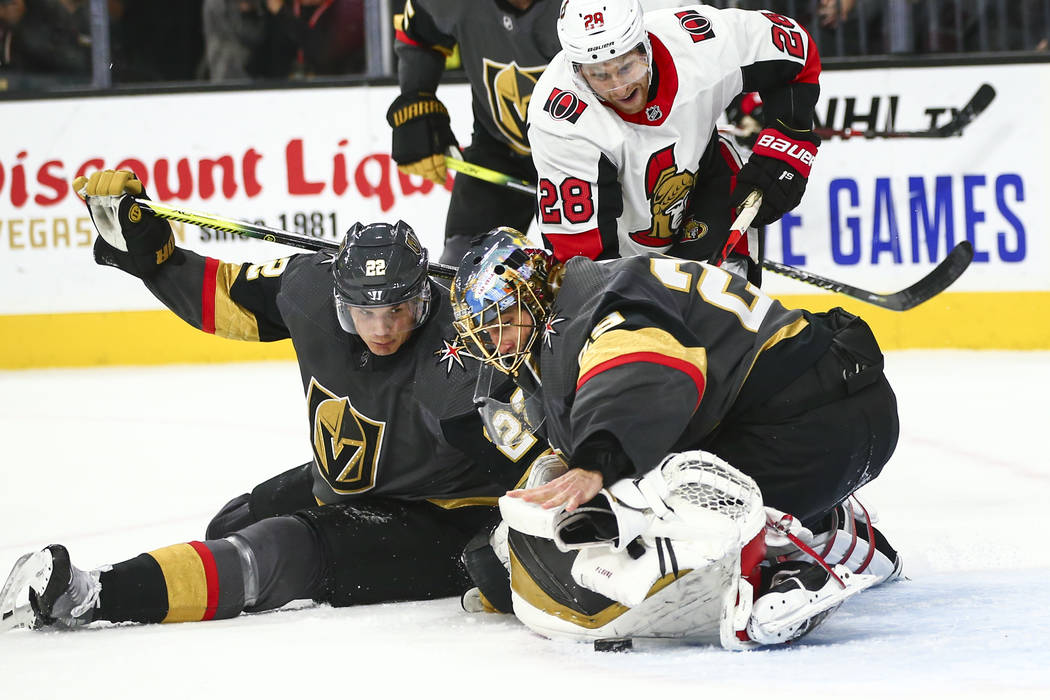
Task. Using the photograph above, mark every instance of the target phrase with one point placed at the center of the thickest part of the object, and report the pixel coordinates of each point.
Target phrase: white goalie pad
(688, 518)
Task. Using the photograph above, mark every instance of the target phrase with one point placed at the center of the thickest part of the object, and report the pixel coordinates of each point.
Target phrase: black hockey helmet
(381, 265)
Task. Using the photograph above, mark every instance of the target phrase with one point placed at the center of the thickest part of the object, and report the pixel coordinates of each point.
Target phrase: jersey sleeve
(778, 60)
(578, 195)
(231, 300)
(421, 24)
(636, 379)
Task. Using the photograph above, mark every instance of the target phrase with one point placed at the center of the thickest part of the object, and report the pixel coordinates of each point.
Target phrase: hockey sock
(182, 583)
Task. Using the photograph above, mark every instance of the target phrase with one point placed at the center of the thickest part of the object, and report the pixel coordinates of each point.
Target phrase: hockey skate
(848, 536)
(801, 595)
(45, 590)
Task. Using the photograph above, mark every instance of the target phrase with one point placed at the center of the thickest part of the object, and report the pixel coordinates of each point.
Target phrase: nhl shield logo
(653, 113)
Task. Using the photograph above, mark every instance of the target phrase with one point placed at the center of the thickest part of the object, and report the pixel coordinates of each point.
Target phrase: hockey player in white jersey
(623, 128)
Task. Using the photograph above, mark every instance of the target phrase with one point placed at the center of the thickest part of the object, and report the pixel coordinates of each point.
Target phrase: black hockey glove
(129, 238)
(421, 135)
(779, 166)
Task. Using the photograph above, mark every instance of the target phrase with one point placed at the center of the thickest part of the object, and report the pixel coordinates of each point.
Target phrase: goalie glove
(130, 238)
(779, 166)
(421, 135)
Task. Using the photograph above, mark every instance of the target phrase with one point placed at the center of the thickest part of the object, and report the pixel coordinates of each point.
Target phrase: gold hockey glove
(130, 237)
(421, 135)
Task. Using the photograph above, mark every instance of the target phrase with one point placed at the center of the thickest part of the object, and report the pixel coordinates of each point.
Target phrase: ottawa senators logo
(509, 88)
(346, 443)
(668, 192)
(696, 25)
(563, 104)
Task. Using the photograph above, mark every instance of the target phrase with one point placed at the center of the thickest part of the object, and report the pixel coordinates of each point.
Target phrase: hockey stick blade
(953, 127)
(977, 104)
(263, 233)
(938, 279)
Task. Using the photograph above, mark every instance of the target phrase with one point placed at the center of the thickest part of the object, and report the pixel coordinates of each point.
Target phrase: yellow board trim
(959, 320)
(120, 338)
(186, 582)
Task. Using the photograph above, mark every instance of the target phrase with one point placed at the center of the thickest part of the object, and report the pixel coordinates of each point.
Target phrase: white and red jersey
(610, 184)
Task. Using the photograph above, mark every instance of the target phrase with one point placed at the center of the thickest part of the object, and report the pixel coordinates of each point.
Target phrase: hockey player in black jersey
(626, 363)
(401, 475)
(504, 46)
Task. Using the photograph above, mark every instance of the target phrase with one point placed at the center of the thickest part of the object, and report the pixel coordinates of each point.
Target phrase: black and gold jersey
(503, 52)
(401, 426)
(657, 351)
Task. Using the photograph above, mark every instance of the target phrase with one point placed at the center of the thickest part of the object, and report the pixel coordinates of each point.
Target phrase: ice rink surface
(114, 462)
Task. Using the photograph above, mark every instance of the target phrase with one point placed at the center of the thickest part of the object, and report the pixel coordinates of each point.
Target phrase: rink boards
(878, 213)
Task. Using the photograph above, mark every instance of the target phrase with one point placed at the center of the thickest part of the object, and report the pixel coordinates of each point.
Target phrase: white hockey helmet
(592, 31)
(595, 31)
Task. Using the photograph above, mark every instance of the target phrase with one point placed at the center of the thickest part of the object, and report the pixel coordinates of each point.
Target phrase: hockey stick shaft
(748, 210)
(929, 286)
(932, 284)
(959, 121)
(488, 175)
(264, 233)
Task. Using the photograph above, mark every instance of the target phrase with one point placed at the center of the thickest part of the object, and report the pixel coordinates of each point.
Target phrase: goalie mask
(501, 297)
(607, 45)
(380, 276)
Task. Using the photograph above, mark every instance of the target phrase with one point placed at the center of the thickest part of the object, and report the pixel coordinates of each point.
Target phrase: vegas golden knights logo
(509, 89)
(347, 443)
(668, 191)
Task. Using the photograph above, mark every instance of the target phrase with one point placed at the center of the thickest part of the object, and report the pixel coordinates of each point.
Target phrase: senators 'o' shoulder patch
(564, 104)
(696, 25)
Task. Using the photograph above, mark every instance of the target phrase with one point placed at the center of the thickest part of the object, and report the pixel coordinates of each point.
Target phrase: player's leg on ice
(261, 567)
(835, 426)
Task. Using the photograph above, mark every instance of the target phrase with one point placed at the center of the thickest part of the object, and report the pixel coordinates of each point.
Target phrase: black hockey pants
(824, 435)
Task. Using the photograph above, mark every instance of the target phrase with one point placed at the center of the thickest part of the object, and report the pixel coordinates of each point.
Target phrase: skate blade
(29, 569)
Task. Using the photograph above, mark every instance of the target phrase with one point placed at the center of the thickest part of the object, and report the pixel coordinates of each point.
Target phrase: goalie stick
(954, 127)
(939, 279)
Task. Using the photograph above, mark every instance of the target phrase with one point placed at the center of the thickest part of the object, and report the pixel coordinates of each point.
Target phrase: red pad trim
(404, 38)
(211, 577)
(692, 371)
(798, 154)
(749, 102)
(211, 268)
(569, 245)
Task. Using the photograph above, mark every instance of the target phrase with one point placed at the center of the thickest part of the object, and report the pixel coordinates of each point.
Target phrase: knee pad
(282, 561)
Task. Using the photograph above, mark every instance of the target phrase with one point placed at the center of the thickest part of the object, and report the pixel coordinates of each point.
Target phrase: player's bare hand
(570, 490)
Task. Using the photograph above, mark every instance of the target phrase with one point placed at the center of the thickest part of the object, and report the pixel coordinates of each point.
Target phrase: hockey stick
(935, 282)
(748, 210)
(488, 175)
(954, 127)
(929, 286)
(264, 233)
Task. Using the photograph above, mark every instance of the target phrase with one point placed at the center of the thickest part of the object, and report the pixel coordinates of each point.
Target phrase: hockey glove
(779, 166)
(421, 135)
(129, 237)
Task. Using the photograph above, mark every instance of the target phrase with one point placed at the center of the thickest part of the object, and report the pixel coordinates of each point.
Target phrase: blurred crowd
(48, 44)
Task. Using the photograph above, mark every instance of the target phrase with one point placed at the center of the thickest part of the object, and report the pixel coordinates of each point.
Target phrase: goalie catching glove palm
(130, 237)
(421, 135)
(779, 166)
